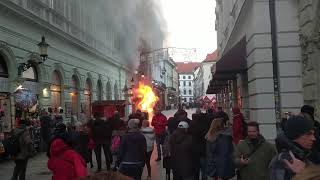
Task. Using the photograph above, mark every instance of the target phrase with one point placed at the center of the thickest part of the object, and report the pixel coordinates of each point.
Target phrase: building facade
(309, 18)
(243, 76)
(186, 81)
(203, 76)
(159, 69)
(83, 65)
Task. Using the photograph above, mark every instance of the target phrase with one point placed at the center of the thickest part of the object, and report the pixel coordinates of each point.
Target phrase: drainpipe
(275, 62)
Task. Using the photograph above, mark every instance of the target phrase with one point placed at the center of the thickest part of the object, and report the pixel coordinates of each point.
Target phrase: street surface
(37, 166)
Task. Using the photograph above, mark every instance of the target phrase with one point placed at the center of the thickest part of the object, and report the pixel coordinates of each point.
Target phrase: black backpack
(12, 144)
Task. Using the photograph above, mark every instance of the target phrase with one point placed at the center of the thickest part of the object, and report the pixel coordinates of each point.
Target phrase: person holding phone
(253, 155)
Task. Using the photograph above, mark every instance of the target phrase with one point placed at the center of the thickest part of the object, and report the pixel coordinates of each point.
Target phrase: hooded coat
(237, 125)
(220, 156)
(25, 143)
(183, 154)
(159, 122)
(65, 163)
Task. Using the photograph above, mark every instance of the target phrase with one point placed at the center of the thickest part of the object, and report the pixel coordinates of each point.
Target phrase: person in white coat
(149, 134)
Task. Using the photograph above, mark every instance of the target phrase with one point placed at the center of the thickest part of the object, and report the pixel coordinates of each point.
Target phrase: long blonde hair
(216, 127)
(309, 173)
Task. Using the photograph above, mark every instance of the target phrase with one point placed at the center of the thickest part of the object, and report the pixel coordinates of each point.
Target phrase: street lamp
(43, 51)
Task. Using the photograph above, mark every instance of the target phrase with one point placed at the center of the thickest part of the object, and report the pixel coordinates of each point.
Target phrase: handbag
(249, 155)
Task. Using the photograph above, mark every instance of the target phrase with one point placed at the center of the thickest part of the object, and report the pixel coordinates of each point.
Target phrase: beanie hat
(183, 125)
(297, 126)
(308, 109)
(133, 123)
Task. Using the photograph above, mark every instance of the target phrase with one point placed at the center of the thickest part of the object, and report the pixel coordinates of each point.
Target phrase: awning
(231, 63)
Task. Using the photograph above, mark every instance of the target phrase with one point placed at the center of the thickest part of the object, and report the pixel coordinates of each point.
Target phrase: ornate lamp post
(43, 52)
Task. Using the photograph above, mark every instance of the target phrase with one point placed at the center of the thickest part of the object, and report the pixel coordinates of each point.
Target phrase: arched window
(75, 95)
(87, 98)
(3, 67)
(31, 74)
(55, 89)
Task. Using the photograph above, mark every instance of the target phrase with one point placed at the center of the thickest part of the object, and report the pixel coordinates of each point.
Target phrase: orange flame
(147, 98)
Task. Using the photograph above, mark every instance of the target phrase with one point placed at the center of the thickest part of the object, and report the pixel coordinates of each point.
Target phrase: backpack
(115, 144)
(13, 144)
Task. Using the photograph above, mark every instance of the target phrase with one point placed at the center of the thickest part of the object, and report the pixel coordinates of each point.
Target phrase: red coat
(237, 126)
(65, 163)
(159, 122)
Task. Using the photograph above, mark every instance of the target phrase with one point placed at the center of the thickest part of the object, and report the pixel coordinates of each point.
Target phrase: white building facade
(82, 67)
(243, 76)
(186, 87)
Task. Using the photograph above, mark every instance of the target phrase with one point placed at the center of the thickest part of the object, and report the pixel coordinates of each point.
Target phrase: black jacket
(102, 132)
(199, 127)
(183, 154)
(133, 148)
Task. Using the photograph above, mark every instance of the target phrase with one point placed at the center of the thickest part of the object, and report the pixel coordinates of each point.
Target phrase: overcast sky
(191, 25)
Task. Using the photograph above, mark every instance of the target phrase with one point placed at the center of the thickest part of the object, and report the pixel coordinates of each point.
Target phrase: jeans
(132, 170)
(160, 140)
(107, 155)
(20, 169)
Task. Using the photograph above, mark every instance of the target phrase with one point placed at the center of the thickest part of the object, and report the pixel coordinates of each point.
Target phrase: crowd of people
(209, 146)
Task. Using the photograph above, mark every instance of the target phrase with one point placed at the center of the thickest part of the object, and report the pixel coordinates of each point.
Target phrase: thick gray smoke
(137, 24)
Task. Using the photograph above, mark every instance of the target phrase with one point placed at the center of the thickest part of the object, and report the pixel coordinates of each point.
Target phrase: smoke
(136, 25)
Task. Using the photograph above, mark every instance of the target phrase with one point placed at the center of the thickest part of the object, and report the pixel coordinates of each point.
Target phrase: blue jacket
(220, 156)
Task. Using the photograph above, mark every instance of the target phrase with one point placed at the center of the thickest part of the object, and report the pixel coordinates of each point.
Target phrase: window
(30, 74)
(185, 99)
(189, 77)
(3, 68)
(189, 83)
(183, 77)
(185, 92)
(190, 92)
(184, 83)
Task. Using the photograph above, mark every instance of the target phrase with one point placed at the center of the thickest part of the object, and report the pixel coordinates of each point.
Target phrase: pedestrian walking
(65, 163)
(132, 153)
(199, 127)
(24, 152)
(253, 154)
(102, 134)
(45, 129)
(149, 134)
(308, 112)
(298, 139)
(159, 122)
(91, 143)
(183, 154)
(238, 126)
(220, 164)
(80, 140)
(166, 154)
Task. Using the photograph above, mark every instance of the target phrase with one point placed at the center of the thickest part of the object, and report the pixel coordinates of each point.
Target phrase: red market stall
(107, 108)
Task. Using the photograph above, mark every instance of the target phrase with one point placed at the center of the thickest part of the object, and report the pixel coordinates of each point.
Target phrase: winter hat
(183, 125)
(133, 123)
(60, 127)
(297, 126)
(307, 109)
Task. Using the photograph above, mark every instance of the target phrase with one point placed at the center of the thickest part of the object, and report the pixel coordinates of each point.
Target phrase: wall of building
(69, 55)
(251, 20)
(309, 18)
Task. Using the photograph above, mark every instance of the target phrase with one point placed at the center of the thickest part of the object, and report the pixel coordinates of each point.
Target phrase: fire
(147, 98)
